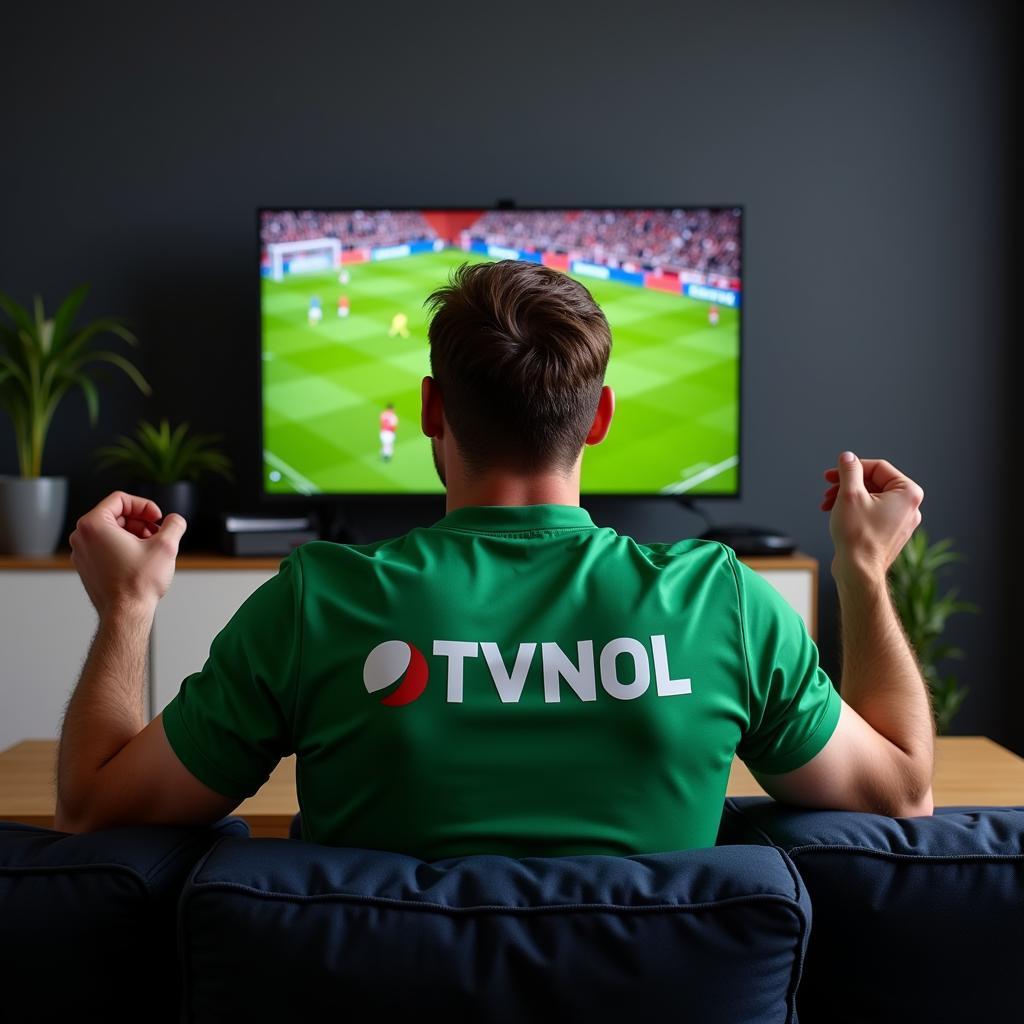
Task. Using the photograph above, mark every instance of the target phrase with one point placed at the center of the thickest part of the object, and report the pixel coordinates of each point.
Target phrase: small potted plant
(42, 359)
(924, 611)
(165, 464)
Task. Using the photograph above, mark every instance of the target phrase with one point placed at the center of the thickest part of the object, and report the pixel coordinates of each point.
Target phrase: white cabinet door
(46, 626)
(797, 587)
(191, 614)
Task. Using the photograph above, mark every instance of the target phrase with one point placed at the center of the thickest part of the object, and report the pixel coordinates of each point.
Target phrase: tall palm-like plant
(924, 608)
(42, 358)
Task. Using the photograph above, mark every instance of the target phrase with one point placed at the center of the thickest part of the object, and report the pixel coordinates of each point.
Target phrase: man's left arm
(112, 768)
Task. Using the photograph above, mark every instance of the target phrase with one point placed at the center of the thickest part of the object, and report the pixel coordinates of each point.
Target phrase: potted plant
(924, 611)
(42, 359)
(166, 463)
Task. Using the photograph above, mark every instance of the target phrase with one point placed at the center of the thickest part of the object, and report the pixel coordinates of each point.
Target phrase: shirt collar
(516, 518)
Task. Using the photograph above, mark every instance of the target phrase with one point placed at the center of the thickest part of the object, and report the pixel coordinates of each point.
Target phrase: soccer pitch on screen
(326, 383)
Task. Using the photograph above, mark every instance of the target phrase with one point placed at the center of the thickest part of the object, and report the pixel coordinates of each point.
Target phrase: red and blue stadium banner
(719, 296)
(556, 261)
(626, 276)
(394, 252)
(501, 252)
(586, 269)
(716, 289)
(726, 291)
(662, 282)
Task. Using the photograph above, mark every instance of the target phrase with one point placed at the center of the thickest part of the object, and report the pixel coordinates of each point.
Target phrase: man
(512, 679)
(388, 429)
(399, 326)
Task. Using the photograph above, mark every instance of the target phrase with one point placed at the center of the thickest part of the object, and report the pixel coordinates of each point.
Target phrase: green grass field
(675, 379)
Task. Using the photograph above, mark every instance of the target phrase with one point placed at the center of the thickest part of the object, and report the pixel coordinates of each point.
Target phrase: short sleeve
(793, 706)
(231, 722)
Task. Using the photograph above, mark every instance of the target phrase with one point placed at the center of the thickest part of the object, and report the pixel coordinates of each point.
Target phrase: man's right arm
(880, 757)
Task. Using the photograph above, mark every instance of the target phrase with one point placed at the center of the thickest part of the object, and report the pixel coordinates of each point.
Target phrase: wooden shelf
(189, 560)
(215, 560)
(797, 560)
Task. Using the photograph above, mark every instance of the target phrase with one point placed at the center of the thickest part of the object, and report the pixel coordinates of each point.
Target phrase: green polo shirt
(510, 680)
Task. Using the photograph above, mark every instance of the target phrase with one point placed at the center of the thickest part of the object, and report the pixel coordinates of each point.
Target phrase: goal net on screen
(311, 255)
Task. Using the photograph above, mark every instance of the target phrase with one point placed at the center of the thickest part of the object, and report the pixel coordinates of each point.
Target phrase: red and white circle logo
(391, 661)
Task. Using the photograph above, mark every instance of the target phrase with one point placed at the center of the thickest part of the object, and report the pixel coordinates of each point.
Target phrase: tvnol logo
(395, 659)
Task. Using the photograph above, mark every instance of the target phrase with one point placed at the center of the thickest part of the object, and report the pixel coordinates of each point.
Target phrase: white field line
(698, 478)
(302, 485)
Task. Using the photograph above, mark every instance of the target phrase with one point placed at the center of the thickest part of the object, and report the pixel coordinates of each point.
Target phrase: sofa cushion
(914, 918)
(87, 922)
(284, 928)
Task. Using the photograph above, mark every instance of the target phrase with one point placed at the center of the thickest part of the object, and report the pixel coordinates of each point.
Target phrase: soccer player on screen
(343, 308)
(315, 314)
(388, 427)
(713, 316)
(399, 325)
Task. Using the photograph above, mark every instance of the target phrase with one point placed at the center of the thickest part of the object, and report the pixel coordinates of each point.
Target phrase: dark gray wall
(867, 141)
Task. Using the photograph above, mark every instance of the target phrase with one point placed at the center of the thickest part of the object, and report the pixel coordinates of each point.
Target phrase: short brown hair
(519, 352)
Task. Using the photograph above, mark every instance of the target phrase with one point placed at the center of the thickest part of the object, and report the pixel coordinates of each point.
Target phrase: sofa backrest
(914, 918)
(279, 928)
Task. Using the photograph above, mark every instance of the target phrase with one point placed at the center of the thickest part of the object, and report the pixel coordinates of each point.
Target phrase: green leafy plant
(42, 358)
(924, 611)
(161, 455)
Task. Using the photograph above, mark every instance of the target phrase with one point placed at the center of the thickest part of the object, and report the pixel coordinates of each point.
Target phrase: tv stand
(335, 524)
(745, 540)
(689, 504)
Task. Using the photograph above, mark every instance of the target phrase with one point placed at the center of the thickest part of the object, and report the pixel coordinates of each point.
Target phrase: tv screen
(344, 340)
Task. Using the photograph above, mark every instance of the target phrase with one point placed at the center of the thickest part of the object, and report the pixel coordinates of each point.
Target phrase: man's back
(511, 680)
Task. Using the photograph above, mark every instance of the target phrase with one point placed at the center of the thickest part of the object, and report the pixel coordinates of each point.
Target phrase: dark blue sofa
(913, 919)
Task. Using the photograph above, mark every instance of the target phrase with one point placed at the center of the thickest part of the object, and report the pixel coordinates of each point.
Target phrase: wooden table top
(969, 770)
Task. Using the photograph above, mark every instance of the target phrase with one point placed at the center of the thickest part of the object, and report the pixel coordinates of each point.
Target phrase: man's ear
(432, 411)
(603, 416)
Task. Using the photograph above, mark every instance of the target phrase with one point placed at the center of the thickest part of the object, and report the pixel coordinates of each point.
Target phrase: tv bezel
(320, 498)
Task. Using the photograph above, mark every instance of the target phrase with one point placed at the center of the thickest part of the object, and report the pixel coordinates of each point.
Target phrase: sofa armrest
(87, 922)
(914, 918)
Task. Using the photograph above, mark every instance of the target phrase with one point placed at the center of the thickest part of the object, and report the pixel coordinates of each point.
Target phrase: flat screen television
(344, 346)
